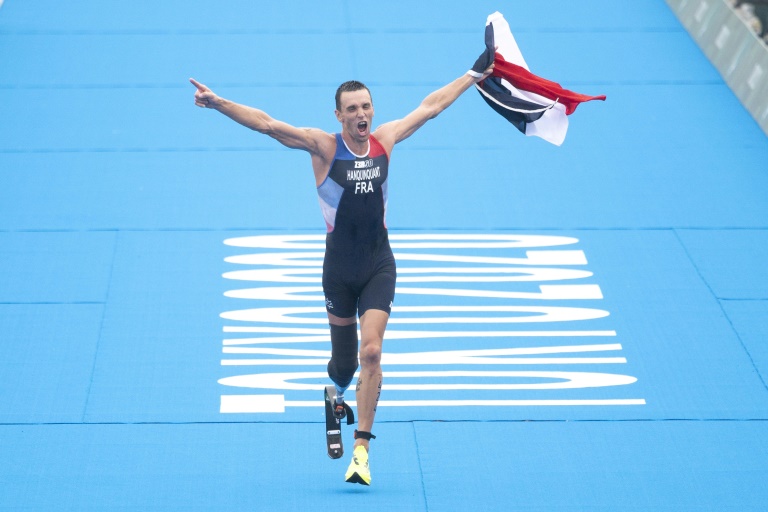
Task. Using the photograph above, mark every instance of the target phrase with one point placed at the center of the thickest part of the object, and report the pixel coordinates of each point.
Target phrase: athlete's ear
(338, 115)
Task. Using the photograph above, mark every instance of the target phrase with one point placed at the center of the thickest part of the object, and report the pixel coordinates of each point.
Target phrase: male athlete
(351, 170)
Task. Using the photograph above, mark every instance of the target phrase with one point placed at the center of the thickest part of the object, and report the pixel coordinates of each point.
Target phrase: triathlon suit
(359, 268)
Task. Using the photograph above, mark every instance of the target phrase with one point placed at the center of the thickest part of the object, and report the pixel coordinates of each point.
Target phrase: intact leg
(372, 326)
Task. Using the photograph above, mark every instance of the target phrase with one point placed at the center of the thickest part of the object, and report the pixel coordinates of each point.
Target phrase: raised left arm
(396, 131)
(436, 102)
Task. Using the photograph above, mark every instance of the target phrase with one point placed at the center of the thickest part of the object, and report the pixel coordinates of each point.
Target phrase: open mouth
(362, 126)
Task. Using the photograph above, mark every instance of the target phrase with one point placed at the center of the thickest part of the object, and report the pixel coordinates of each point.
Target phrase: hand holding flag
(485, 60)
(534, 105)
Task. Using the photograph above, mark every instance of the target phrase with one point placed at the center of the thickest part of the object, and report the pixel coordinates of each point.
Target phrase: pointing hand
(204, 97)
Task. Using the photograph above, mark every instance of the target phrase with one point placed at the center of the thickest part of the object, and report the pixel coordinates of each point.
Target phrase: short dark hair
(350, 86)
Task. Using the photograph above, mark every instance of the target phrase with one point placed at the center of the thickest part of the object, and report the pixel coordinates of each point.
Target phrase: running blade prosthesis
(334, 413)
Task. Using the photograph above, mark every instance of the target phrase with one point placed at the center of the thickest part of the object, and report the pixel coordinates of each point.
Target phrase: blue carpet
(575, 328)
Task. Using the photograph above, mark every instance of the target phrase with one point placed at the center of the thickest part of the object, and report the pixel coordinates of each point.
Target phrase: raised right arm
(313, 140)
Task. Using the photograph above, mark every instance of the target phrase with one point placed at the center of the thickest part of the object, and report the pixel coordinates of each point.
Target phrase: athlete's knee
(343, 363)
(370, 354)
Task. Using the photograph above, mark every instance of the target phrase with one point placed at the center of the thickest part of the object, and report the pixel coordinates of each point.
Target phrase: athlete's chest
(360, 175)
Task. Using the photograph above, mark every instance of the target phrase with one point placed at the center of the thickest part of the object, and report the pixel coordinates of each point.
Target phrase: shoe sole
(355, 478)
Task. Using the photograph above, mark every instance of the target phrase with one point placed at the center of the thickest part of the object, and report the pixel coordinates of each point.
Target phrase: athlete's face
(356, 114)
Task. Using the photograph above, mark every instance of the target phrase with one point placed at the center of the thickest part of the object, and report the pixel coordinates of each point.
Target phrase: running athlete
(351, 169)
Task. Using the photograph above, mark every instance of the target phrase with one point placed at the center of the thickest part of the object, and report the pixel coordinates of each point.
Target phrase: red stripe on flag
(524, 80)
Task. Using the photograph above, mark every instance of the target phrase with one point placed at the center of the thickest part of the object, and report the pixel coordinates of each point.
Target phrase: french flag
(535, 105)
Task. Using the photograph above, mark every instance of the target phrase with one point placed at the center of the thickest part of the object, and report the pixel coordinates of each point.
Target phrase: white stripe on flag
(553, 124)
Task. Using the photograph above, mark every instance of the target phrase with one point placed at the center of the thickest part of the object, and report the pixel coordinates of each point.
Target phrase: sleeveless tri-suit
(359, 268)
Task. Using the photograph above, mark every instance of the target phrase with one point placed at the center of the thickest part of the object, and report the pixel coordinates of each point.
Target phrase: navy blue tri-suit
(359, 267)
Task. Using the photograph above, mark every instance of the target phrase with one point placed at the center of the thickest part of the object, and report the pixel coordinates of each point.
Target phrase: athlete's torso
(353, 198)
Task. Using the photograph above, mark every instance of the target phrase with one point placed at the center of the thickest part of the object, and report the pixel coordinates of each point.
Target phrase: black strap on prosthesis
(361, 434)
(343, 409)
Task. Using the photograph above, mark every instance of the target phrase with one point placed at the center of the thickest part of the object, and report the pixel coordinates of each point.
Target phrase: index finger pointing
(200, 87)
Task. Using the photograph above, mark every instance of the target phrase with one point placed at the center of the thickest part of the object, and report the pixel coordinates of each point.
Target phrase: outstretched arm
(397, 131)
(308, 139)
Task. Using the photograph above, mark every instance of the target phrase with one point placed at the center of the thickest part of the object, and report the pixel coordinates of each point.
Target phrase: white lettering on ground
(504, 280)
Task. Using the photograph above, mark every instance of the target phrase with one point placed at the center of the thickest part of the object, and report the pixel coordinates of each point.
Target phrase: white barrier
(735, 50)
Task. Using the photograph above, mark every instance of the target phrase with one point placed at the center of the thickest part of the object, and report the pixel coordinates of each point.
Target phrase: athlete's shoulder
(324, 155)
(323, 139)
(383, 139)
(377, 148)
(323, 143)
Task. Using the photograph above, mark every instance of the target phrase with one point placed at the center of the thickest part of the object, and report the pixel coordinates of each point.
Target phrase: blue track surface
(575, 328)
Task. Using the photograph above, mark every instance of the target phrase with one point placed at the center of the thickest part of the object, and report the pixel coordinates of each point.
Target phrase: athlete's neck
(357, 147)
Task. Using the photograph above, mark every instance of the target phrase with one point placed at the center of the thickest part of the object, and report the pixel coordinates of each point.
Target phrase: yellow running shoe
(358, 472)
